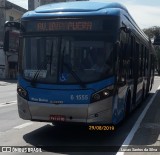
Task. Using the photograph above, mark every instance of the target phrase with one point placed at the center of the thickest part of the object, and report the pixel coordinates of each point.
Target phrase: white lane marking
(137, 124)
(23, 125)
(8, 103)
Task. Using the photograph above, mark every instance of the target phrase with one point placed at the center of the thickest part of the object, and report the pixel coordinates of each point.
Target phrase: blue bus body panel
(59, 96)
(66, 94)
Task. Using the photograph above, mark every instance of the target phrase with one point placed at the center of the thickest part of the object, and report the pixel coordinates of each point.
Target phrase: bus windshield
(67, 59)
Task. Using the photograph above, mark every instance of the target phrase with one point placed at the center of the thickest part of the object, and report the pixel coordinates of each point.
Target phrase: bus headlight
(22, 92)
(102, 94)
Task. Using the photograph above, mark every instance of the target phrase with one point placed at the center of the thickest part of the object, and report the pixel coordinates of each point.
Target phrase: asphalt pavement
(144, 137)
(8, 91)
(147, 137)
(139, 133)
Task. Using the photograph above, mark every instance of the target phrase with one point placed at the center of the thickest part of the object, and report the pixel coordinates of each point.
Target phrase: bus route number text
(79, 97)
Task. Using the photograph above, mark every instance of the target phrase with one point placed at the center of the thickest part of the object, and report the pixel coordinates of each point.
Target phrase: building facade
(2, 20)
(9, 59)
(43, 2)
(32, 4)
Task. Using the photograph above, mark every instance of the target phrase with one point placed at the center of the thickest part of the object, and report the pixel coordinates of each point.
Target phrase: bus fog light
(97, 97)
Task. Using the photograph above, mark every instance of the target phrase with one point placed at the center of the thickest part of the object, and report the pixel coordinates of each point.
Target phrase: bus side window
(145, 61)
(121, 62)
(137, 55)
(126, 55)
(123, 56)
(142, 60)
(131, 57)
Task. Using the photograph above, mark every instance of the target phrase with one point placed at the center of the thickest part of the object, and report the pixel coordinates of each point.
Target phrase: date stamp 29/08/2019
(101, 127)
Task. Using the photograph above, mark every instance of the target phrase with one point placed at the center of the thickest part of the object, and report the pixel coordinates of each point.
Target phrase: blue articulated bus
(81, 62)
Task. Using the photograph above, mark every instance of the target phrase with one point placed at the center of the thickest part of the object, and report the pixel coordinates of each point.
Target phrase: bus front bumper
(98, 112)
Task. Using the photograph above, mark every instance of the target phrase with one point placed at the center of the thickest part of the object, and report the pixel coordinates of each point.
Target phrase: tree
(157, 49)
(152, 33)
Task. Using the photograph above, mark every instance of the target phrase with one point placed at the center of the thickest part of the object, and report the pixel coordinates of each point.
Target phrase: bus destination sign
(77, 25)
(67, 26)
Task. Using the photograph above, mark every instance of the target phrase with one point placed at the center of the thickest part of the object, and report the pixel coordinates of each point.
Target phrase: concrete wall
(2, 19)
(2, 64)
(13, 13)
(56, 1)
(32, 4)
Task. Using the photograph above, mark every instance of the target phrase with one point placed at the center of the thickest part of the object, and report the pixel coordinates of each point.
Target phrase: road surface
(78, 139)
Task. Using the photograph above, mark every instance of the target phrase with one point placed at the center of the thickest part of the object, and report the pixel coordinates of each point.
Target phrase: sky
(146, 13)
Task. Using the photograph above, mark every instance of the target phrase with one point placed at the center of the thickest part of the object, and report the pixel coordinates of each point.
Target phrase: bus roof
(78, 7)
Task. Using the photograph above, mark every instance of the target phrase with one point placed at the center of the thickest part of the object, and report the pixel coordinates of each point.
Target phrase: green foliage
(157, 48)
(153, 32)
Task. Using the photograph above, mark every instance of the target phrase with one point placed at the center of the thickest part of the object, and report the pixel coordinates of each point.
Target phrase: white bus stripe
(23, 125)
(136, 125)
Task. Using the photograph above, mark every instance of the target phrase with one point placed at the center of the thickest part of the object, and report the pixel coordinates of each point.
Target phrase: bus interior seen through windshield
(68, 59)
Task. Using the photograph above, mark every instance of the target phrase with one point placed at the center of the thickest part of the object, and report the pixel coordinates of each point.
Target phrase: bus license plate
(57, 118)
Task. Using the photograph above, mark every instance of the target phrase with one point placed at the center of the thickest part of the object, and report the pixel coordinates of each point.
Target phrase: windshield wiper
(76, 77)
(34, 79)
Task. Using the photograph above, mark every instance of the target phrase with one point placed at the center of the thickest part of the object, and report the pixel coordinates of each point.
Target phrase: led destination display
(62, 25)
(65, 26)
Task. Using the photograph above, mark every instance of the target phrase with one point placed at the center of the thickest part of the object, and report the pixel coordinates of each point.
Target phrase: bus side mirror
(6, 41)
(10, 36)
(11, 40)
(125, 29)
